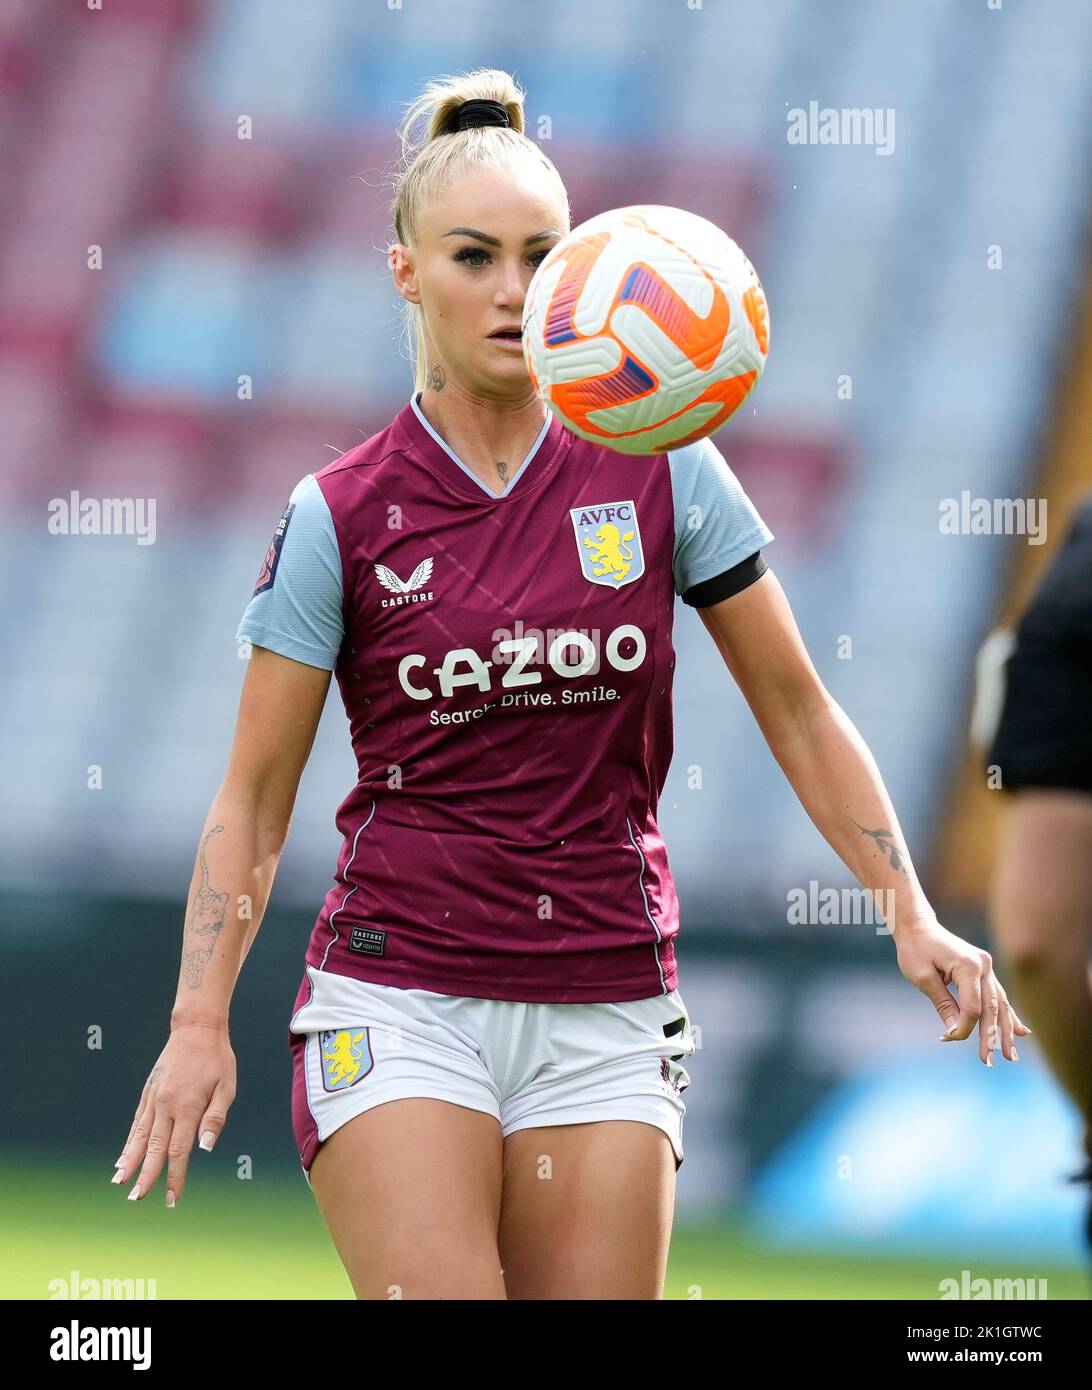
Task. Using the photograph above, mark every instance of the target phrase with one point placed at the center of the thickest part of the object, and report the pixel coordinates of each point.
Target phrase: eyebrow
(495, 241)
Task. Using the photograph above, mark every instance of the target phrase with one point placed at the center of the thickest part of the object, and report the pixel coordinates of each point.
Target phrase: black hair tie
(481, 111)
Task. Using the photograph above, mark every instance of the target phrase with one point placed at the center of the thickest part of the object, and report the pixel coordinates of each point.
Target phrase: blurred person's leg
(1042, 921)
(1042, 888)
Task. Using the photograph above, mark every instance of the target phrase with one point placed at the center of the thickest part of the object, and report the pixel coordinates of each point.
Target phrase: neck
(491, 436)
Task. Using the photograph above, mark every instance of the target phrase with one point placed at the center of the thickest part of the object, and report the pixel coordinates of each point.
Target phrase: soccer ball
(645, 328)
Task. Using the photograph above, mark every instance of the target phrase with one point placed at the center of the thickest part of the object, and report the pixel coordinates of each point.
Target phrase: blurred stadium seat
(258, 261)
(242, 331)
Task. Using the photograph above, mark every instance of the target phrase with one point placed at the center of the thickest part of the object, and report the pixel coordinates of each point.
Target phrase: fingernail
(952, 1026)
(135, 1193)
(1015, 1055)
(119, 1161)
(989, 1060)
(119, 1176)
(207, 1140)
(170, 1197)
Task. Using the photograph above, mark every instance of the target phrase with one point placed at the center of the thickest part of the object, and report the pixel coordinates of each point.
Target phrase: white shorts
(356, 1045)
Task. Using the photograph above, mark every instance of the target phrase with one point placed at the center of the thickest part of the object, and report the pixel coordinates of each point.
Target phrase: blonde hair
(442, 153)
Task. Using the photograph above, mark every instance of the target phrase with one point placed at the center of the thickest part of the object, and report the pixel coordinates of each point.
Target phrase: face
(478, 246)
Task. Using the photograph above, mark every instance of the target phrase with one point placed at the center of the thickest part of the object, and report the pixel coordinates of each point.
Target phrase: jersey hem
(472, 987)
(284, 645)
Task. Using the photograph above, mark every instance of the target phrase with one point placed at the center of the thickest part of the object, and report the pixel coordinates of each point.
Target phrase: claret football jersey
(506, 665)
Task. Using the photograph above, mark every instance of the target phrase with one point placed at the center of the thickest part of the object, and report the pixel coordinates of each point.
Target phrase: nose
(511, 290)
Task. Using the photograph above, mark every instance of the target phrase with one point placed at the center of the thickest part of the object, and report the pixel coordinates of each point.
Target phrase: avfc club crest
(608, 541)
(346, 1058)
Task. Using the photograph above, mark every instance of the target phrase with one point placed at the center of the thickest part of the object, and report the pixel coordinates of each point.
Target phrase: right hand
(187, 1094)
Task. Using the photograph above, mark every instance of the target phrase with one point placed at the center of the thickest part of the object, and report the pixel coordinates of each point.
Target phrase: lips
(511, 334)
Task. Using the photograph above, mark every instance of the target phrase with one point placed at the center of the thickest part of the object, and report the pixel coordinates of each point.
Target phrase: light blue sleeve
(716, 524)
(296, 606)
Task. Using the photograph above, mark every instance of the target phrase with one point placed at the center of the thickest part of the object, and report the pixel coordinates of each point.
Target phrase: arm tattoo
(502, 469)
(885, 842)
(206, 921)
(437, 378)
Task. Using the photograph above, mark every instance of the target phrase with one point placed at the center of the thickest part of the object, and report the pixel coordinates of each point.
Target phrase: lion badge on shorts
(346, 1058)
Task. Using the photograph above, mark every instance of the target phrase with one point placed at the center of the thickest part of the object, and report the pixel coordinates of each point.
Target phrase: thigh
(586, 1210)
(410, 1192)
(1042, 889)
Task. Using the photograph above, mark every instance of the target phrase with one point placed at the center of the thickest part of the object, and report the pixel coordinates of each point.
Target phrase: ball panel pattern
(645, 329)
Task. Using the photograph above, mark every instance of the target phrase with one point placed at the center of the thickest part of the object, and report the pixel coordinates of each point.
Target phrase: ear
(400, 259)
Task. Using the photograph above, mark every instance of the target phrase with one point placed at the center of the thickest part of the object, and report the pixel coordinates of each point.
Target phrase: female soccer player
(488, 1038)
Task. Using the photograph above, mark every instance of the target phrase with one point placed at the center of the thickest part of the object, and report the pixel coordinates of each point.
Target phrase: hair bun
(481, 111)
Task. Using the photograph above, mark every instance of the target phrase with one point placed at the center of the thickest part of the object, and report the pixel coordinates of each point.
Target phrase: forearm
(838, 783)
(236, 861)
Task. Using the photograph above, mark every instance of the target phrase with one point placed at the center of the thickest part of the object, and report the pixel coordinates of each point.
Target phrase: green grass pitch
(264, 1239)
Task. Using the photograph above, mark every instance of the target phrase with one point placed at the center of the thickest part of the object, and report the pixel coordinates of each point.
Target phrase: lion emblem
(346, 1057)
(608, 540)
(610, 551)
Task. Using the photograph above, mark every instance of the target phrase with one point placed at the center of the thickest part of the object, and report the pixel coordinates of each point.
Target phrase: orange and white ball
(645, 328)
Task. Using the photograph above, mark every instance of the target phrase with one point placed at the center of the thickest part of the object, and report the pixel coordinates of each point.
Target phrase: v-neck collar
(437, 450)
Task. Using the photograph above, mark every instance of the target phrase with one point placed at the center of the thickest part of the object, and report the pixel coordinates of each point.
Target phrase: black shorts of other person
(1044, 734)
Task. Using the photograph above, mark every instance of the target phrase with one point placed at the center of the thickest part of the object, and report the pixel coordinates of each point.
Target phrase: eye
(467, 252)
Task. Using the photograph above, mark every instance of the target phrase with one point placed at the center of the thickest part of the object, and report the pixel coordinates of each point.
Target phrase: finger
(215, 1116)
(136, 1144)
(178, 1155)
(942, 1000)
(988, 1032)
(967, 979)
(159, 1139)
(1006, 1023)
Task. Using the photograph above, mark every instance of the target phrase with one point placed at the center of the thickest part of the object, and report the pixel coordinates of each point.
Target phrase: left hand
(932, 958)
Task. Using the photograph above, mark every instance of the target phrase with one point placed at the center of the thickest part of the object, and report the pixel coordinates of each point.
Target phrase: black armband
(731, 581)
